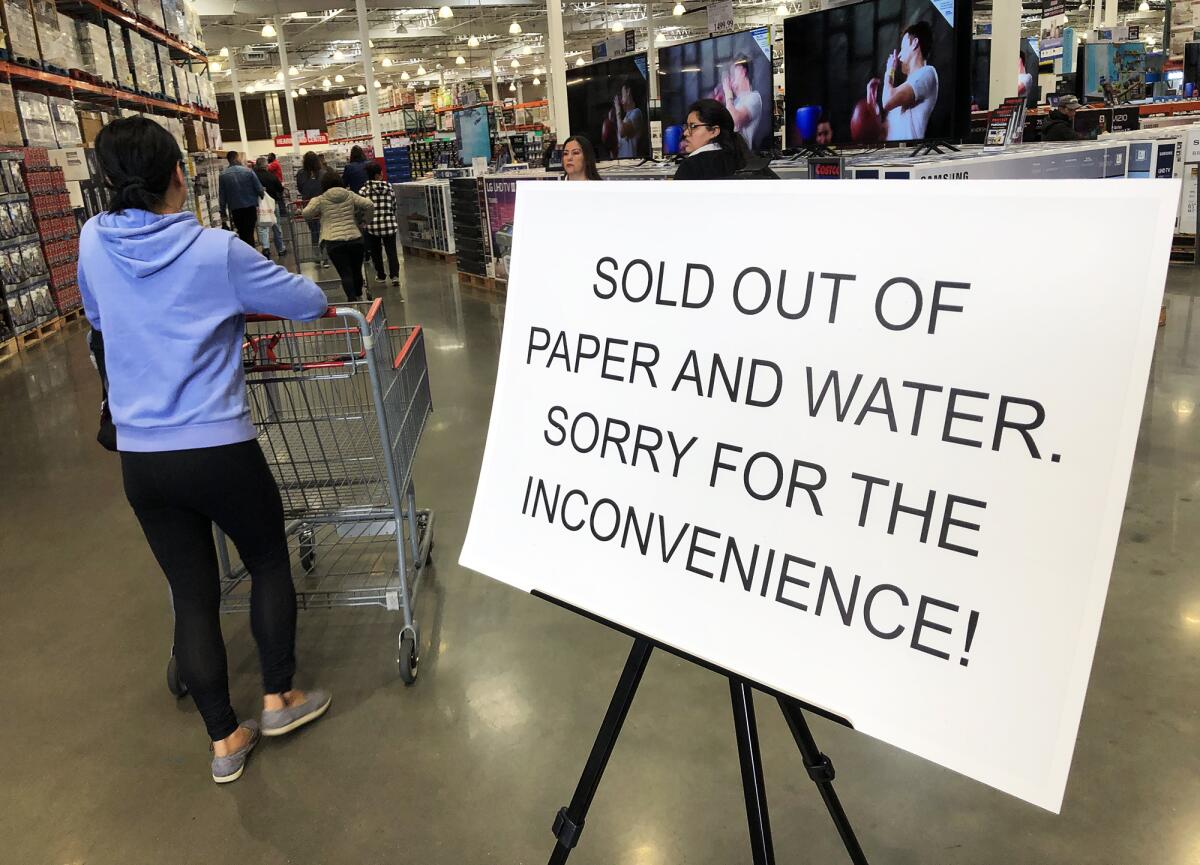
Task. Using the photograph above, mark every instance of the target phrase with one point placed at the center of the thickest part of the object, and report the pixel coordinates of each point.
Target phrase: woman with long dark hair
(169, 297)
(269, 209)
(308, 186)
(712, 148)
(354, 175)
(579, 159)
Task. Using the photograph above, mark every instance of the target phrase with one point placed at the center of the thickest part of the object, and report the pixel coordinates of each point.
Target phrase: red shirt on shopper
(275, 168)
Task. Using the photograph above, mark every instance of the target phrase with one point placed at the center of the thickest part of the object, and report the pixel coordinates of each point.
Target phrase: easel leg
(752, 772)
(820, 769)
(569, 823)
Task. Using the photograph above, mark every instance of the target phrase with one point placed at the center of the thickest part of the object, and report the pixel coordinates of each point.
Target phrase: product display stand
(568, 824)
(931, 147)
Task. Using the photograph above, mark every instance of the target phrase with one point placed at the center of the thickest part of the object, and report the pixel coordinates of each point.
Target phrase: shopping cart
(340, 405)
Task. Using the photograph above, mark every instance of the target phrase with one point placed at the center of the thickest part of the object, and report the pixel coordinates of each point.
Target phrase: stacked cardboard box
(10, 120)
(57, 230)
(152, 11)
(22, 33)
(50, 41)
(72, 57)
(66, 122)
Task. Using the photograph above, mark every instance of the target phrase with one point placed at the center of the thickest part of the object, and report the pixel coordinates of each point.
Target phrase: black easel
(568, 824)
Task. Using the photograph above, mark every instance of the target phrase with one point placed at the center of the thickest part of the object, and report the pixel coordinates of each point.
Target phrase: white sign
(835, 439)
(720, 17)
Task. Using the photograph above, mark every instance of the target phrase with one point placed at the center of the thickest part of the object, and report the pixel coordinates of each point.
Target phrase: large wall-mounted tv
(878, 71)
(608, 103)
(734, 69)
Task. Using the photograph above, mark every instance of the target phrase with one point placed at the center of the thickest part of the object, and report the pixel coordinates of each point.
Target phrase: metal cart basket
(340, 404)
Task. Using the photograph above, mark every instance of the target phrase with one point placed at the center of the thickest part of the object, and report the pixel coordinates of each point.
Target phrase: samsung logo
(949, 175)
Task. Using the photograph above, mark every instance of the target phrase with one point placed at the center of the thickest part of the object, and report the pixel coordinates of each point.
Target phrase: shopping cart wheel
(408, 658)
(175, 684)
(308, 550)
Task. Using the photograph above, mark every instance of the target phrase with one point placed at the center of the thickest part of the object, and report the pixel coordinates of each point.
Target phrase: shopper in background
(712, 147)
(308, 186)
(341, 212)
(269, 209)
(1060, 123)
(275, 168)
(354, 175)
(381, 229)
(189, 454)
(579, 159)
(238, 192)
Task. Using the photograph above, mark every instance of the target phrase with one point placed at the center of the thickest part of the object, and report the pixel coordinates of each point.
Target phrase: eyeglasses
(692, 127)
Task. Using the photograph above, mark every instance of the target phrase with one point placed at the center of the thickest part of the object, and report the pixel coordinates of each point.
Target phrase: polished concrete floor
(101, 765)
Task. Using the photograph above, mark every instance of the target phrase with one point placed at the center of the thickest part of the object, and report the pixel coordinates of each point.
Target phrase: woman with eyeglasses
(170, 298)
(712, 148)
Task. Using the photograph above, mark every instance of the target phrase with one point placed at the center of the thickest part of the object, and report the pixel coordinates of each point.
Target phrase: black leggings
(244, 220)
(177, 496)
(378, 243)
(347, 257)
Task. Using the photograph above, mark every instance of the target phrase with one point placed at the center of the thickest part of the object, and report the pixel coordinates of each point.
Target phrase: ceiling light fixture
(302, 91)
(387, 61)
(617, 27)
(536, 80)
(445, 12)
(473, 42)
(420, 69)
(224, 52)
(214, 66)
(516, 64)
(378, 85)
(279, 75)
(404, 76)
(460, 60)
(293, 71)
(512, 88)
(340, 78)
(678, 10)
(338, 55)
(660, 36)
(268, 31)
(362, 89)
(526, 50)
(1145, 7)
(781, 10)
(514, 28)
(579, 62)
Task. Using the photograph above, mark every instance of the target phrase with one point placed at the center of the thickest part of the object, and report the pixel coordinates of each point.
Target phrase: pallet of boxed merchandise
(21, 31)
(36, 123)
(94, 53)
(168, 72)
(120, 55)
(72, 55)
(66, 122)
(152, 11)
(173, 21)
(49, 37)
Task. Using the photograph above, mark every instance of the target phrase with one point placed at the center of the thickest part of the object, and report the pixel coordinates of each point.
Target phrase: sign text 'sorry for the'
(834, 438)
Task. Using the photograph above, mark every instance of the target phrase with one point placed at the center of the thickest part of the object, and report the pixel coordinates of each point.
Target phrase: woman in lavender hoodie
(169, 297)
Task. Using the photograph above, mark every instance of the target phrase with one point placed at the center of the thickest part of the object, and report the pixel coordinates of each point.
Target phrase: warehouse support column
(287, 87)
(1006, 46)
(557, 71)
(651, 54)
(237, 97)
(364, 38)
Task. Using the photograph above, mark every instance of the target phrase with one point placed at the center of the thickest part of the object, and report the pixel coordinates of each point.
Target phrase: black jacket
(273, 187)
(1058, 127)
(710, 165)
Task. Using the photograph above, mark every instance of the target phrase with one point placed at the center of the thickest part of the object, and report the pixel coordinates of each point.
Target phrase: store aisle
(469, 766)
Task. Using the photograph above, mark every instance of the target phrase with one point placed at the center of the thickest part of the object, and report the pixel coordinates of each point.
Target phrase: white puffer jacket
(341, 213)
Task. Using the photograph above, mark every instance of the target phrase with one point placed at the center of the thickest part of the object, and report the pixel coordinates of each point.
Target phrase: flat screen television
(981, 71)
(878, 71)
(472, 133)
(608, 103)
(1191, 69)
(734, 69)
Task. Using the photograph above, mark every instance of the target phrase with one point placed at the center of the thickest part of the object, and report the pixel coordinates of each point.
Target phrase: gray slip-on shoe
(277, 722)
(230, 767)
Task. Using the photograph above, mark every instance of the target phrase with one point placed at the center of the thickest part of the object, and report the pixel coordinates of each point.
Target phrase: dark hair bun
(137, 158)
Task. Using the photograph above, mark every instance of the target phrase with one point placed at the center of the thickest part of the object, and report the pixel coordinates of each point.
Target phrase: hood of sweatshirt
(338, 194)
(143, 243)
